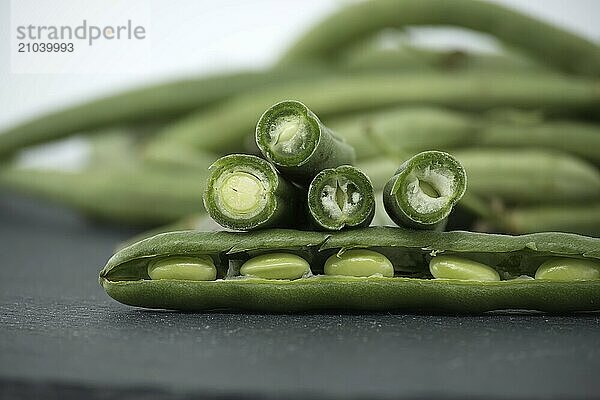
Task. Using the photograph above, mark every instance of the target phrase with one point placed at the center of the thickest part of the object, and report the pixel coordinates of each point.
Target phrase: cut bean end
(424, 189)
(241, 192)
(288, 133)
(340, 197)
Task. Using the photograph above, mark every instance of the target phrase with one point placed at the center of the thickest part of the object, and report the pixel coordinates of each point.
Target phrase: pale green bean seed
(568, 269)
(276, 266)
(453, 267)
(359, 262)
(198, 268)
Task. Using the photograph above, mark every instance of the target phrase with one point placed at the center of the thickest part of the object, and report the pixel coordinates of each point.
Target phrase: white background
(190, 37)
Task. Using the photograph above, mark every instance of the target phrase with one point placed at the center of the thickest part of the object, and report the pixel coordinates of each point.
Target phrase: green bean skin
(244, 192)
(341, 197)
(530, 176)
(424, 189)
(293, 138)
(234, 118)
(549, 44)
(123, 278)
(406, 57)
(412, 129)
(577, 218)
(348, 293)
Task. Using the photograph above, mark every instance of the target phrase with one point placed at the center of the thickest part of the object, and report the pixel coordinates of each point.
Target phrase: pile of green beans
(371, 269)
(306, 170)
(524, 124)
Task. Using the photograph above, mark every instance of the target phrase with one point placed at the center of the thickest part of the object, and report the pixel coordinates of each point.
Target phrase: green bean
(549, 44)
(453, 267)
(359, 263)
(125, 276)
(245, 192)
(341, 197)
(200, 268)
(134, 194)
(160, 102)
(578, 218)
(234, 118)
(407, 57)
(276, 266)
(523, 175)
(424, 189)
(404, 130)
(293, 138)
(568, 269)
(514, 175)
(413, 129)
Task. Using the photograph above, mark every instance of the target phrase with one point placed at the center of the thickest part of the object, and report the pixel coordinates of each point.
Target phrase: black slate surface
(62, 337)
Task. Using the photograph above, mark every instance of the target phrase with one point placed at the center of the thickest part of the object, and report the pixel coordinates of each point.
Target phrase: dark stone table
(62, 337)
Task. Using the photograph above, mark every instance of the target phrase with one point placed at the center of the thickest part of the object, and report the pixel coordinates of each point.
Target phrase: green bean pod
(412, 129)
(406, 57)
(424, 189)
(293, 138)
(360, 280)
(124, 193)
(340, 198)
(345, 94)
(547, 43)
(244, 192)
(577, 218)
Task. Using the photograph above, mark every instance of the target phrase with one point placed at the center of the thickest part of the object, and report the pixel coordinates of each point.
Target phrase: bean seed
(199, 268)
(453, 267)
(359, 262)
(276, 266)
(568, 269)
